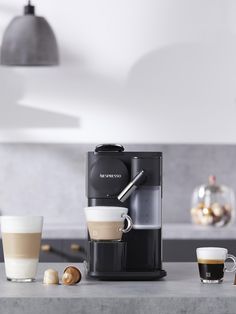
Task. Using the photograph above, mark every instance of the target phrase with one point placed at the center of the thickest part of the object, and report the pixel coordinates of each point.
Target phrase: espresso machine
(132, 180)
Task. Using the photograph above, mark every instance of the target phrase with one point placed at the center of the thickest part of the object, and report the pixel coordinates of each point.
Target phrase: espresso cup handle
(233, 258)
(129, 225)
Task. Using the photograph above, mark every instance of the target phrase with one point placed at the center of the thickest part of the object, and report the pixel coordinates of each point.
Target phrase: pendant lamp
(29, 41)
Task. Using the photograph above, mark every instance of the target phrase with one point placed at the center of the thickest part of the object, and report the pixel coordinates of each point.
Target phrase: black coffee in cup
(211, 264)
(211, 269)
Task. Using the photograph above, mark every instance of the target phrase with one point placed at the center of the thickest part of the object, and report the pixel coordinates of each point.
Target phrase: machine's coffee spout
(132, 186)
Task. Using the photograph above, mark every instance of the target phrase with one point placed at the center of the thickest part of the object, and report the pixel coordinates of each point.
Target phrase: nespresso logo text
(110, 175)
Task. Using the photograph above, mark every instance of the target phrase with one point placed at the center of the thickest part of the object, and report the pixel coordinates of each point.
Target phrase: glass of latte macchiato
(107, 222)
(21, 237)
(211, 263)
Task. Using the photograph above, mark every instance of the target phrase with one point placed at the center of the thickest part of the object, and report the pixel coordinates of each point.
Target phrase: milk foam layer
(105, 213)
(212, 253)
(21, 224)
(21, 268)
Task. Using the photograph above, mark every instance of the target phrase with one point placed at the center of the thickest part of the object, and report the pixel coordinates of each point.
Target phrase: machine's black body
(139, 255)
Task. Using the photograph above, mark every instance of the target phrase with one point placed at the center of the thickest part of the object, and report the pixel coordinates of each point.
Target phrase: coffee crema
(210, 261)
(105, 230)
(21, 245)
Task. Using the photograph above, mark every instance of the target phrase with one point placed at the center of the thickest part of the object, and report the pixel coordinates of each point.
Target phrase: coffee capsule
(234, 280)
(71, 275)
(51, 277)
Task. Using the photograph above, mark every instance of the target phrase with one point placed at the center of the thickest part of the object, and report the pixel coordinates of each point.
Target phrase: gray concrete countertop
(180, 292)
(170, 232)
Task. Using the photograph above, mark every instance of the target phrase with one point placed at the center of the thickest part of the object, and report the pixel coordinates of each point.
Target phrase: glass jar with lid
(212, 204)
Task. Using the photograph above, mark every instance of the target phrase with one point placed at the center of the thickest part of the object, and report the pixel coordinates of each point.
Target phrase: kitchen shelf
(185, 231)
(189, 231)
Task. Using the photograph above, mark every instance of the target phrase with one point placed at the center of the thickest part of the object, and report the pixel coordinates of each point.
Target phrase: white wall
(131, 71)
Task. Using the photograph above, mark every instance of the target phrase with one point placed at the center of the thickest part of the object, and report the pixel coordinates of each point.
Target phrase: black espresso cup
(211, 263)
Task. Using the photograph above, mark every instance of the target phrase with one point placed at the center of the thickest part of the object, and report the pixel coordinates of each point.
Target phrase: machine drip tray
(132, 276)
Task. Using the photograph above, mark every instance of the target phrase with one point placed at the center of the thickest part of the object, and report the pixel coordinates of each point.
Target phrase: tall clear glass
(21, 236)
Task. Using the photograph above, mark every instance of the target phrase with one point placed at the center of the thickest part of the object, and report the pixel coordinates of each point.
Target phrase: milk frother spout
(132, 186)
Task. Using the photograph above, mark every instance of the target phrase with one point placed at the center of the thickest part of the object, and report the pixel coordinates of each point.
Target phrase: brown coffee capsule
(71, 275)
(234, 280)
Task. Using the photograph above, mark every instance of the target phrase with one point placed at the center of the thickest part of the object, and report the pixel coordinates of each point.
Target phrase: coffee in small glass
(211, 263)
(107, 222)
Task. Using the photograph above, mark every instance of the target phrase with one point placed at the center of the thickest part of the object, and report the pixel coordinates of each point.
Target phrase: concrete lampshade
(29, 41)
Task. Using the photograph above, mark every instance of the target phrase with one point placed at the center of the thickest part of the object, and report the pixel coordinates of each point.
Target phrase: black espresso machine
(132, 180)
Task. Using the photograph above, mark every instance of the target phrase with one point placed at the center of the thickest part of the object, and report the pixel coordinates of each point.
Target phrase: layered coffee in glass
(107, 222)
(21, 236)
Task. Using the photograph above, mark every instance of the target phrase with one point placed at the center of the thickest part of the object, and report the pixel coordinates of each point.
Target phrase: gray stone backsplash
(49, 179)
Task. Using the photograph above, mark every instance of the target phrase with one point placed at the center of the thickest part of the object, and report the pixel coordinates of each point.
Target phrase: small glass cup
(107, 222)
(211, 264)
(21, 236)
